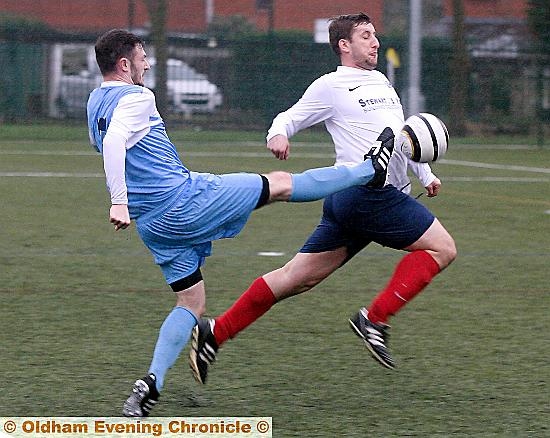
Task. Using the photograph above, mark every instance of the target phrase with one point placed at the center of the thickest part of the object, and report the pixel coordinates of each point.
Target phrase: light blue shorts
(215, 207)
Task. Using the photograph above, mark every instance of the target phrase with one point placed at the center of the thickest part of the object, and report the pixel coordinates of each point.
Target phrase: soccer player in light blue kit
(178, 213)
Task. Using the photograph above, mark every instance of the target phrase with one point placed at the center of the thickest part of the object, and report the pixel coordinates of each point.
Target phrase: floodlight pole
(209, 11)
(414, 103)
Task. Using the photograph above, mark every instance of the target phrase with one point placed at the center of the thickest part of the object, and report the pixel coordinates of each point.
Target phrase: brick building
(515, 9)
(185, 16)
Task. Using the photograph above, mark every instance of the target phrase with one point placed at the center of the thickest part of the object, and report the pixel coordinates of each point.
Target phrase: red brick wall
(301, 14)
(189, 15)
(71, 14)
(491, 8)
(184, 15)
(94, 15)
(296, 14)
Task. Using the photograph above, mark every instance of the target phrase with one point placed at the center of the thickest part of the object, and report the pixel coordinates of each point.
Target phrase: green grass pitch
(81, 304)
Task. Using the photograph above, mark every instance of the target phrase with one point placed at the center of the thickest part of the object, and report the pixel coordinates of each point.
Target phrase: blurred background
(483, 66)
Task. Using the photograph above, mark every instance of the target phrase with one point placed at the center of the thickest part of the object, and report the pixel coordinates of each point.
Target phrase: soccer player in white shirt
(178, 213)
(359, 108)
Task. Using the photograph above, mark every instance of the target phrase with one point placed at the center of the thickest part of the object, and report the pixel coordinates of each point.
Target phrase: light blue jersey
(154, 172)
(178, 213)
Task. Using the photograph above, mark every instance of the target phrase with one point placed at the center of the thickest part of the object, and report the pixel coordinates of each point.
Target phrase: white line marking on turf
(240, 154)
(51, 175)
(101, 175)
(183, 154)
(52, 153)
(493, 179)
(271, 254)
(495, 166)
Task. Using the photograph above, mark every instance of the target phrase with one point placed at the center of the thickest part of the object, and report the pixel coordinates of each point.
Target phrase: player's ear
(344, 45)
(124, 64)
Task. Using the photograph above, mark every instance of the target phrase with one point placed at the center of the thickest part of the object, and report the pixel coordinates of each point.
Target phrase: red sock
(413, 273)
(252, 304)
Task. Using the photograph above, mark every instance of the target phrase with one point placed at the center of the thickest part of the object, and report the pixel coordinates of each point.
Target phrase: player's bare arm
(279, 146)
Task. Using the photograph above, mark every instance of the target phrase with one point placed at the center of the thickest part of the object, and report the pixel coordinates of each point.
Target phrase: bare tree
(460, 65)
(538, 15)
(158, 14)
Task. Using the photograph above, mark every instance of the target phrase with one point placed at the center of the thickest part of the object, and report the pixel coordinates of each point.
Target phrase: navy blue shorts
(359, 215)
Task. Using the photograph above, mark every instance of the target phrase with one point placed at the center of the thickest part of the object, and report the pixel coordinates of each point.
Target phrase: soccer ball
(424, 138)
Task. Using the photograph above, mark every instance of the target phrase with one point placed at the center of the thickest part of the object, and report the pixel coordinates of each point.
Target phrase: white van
(188, 90)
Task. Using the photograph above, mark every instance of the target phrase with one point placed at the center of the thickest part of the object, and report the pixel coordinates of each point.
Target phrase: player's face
(138, 65)
(363, 47)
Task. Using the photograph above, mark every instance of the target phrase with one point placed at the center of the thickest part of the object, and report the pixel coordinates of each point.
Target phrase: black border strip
(416, 152)
(432, 133)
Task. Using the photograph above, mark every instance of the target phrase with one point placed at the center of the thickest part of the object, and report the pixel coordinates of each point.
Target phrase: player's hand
(433, 188)
(119, 216)
(380, 154)
(279, 146)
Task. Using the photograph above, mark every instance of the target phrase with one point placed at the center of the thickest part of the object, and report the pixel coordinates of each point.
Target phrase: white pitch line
(495, 166)
(241, 154)
(494, 179)
(51, 153)
(256, 154)
(51, 175)
(101, 175)
(271, 253)
(183, 154)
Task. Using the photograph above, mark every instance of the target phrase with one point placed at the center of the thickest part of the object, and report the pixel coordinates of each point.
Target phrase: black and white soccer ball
(424, 138)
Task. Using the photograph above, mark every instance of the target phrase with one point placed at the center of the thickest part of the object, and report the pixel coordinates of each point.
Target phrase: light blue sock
(317, 183)
(173, 335)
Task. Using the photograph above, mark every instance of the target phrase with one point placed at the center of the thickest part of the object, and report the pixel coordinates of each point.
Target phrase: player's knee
(447, 252)
(280, 185)
(190, 293)
(440, 244)
(194, 305)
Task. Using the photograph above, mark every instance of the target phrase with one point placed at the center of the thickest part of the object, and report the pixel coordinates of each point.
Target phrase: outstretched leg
(318, 183)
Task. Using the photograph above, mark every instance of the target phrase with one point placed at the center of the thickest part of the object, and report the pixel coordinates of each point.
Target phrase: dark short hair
(341, 27)
(113, 45)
